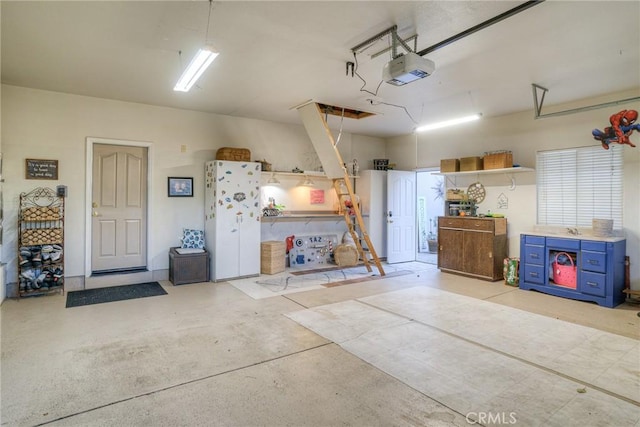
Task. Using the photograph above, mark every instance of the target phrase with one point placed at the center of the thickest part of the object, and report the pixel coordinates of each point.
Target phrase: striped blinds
(578, 184)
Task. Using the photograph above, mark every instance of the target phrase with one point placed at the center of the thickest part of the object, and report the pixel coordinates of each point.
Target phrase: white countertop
(584, 233)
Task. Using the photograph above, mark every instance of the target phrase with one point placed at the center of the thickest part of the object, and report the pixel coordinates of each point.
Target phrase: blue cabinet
(599, 265)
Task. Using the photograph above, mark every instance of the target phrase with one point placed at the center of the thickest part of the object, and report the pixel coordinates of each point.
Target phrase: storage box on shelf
(498, 160)
(456, 194)
(40, 243)
(470, 164)
(381, 164)
(233, 154)
(449, 165)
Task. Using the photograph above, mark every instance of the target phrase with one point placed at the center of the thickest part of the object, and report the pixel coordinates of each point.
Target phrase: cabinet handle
(534, 256)
(594, 262)
(490, 254)
(532, 274)
(592, 284)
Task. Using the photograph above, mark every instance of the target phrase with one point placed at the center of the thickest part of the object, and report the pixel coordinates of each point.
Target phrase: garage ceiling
(276, 55)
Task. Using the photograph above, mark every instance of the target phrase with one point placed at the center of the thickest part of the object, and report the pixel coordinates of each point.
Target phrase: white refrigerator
(232, 218)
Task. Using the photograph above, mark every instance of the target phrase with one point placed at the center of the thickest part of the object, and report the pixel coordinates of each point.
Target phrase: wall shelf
(307, 174)
(517, 169)
(307, 217)
(509, 172)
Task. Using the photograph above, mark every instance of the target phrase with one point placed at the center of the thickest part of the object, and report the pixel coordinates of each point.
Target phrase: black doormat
(115, 293)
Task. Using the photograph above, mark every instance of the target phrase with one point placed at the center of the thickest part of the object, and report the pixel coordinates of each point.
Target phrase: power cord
(364, 82)
(354, 70)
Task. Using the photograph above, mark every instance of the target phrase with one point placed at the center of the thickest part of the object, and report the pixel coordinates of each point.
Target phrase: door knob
(94, 205)
(95, 213)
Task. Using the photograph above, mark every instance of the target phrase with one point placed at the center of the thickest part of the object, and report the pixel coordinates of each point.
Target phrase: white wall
(524, 136)
(3, 289)
(51, 125)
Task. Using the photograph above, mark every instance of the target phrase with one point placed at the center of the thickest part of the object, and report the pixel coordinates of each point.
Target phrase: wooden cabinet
(450, 248)
(599, 267)
(472, 246)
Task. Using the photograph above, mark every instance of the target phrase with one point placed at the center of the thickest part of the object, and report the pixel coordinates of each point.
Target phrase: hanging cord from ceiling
(206, 37)
(364, 82)
(372, 101)
(326, 120)
(397, 106)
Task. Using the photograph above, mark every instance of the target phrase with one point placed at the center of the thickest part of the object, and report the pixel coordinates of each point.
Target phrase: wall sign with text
(41, 169)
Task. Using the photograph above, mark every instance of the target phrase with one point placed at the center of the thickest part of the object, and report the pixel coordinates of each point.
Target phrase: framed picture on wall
(180, 187)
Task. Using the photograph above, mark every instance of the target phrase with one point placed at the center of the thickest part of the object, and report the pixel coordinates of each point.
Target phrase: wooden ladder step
(370, 255)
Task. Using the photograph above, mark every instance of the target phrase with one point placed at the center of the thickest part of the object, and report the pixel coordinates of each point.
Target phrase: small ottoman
(188, 267)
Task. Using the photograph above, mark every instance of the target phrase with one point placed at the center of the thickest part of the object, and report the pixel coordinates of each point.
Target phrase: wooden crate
(470, 164)
(449, 165)
(234, 154)
(498, 160)
(272, 257)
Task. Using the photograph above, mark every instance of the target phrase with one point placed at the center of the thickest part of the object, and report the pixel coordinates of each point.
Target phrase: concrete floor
(427, 348)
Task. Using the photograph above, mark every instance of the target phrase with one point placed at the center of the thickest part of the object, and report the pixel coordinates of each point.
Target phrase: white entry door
(119, 208)
(401, 216)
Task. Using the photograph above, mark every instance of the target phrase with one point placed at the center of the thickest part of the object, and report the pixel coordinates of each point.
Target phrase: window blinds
(579, 184)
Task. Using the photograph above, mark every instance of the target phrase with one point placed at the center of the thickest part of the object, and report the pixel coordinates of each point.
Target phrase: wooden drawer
(533, 274)
(593, 283)
(594, 261)
(467, 223)
(534, 255)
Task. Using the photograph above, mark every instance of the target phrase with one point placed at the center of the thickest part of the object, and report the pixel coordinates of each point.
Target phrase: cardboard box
(272, 257)
(498, 160)
(470, 164)
(449, 165)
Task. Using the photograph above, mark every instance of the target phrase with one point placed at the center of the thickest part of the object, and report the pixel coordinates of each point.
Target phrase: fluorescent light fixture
(308, 182)
(446, 123)
(273, 180)
(197, 66)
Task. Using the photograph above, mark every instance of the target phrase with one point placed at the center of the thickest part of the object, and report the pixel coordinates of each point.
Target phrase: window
(578, 184)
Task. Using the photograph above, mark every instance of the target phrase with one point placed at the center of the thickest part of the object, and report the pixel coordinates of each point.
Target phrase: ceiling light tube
(451, 122)
(197, 66)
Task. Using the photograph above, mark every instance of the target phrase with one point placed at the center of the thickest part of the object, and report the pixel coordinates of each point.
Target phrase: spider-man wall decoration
(623, 123)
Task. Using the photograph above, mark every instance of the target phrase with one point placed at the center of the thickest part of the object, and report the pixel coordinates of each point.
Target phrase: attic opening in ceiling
(344, 112)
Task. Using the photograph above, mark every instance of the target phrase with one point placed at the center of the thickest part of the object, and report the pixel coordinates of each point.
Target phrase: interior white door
(119, 208)
(401, 216)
